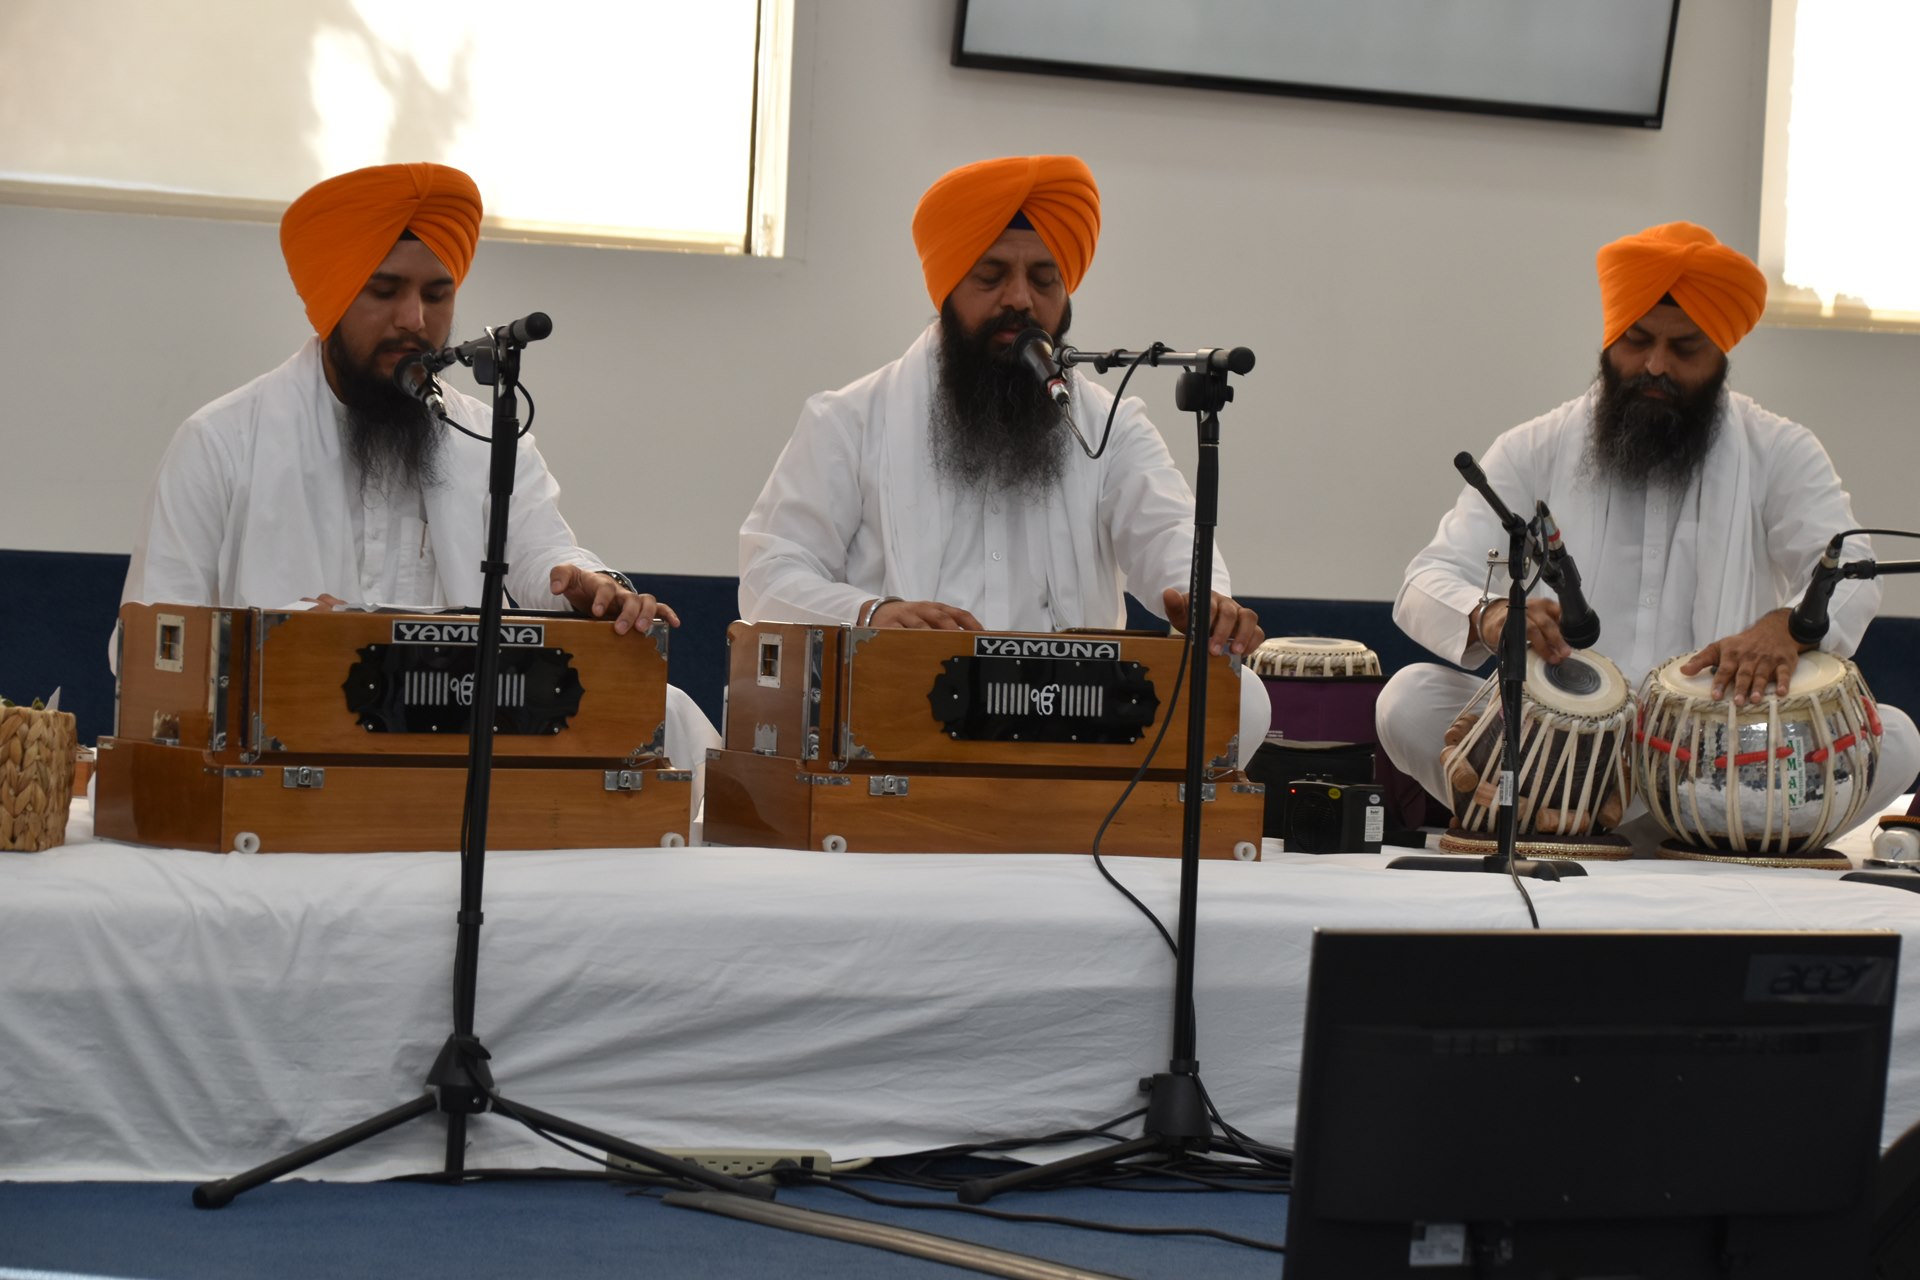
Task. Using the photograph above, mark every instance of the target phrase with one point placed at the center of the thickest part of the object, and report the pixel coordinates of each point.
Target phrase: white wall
(1413, 283)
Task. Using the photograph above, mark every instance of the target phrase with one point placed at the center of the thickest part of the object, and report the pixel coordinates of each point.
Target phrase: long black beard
(390, 436)
(1660, 442)
(994, 428)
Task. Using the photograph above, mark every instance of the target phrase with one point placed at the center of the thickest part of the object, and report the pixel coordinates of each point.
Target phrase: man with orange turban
(946, 489)
(1695, 516)
(323, 481)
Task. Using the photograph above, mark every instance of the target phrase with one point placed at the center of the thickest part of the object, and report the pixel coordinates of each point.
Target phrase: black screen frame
(1436, 1123)
(962, 57)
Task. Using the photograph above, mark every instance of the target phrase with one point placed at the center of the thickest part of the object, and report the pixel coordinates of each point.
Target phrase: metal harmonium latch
(624, 779)
(886, 784)
(303, 777)
(1206, 793)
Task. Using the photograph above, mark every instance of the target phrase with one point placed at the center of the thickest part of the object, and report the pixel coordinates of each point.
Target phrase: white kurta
(257, 505)
(855, 510)
(1681, 570)
(1667, 571)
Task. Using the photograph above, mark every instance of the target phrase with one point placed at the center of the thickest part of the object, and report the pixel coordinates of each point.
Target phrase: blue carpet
(295, 1230)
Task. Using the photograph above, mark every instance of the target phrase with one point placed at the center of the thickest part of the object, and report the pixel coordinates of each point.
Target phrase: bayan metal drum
(1313, 657)
(1572, 784)
(1765, 784)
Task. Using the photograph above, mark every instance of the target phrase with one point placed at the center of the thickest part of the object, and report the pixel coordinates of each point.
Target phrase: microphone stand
(1894, 873)
(1511, 658)
(1177, 1120)
(460, 1083)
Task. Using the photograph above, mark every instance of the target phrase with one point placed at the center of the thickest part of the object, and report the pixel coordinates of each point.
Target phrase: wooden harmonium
(347, 732)
(992, 742)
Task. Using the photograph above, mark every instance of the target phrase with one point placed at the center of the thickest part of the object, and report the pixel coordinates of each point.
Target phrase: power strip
(735, 1162)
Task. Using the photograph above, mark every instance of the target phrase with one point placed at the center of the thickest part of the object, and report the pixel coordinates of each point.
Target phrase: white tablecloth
(179, 1015)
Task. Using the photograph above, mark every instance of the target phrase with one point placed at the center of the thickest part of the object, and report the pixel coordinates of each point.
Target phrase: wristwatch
(626, 583)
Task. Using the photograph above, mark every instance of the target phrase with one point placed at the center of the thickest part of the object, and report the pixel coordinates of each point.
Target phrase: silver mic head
(1035, 349)
(412, 376)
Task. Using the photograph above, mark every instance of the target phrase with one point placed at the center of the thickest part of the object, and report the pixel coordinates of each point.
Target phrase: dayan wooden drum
(1767, 783)
(1573, 781)
(1313, 657)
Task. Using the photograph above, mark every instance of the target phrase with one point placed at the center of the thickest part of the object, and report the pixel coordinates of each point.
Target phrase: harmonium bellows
(879, 739)
(347, 731)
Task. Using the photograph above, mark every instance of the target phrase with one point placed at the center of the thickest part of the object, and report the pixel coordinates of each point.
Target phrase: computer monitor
(1590, 1104)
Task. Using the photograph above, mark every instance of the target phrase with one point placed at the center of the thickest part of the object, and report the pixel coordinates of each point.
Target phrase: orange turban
(335, 235)
(1719, 288)
(963, 213)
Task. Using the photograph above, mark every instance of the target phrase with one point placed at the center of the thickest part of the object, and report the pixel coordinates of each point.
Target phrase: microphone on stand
(1035, 350)
(1579, 624)
(1477, 480)
(413, 376)
(1808, 622)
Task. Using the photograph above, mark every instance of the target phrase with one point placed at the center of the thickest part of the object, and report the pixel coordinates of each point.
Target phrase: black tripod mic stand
(1177, 1120)
(460, 1084)
(1522, 544)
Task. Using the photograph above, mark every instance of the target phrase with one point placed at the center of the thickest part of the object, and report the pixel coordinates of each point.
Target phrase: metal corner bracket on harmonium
(881, 740)
(346, 732)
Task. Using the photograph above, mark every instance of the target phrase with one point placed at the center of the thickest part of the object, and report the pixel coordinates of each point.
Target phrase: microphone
(414, 376)
(1579, 624)
(1476, 478)
(528, 328)
(1808, 622)
(1035, 350)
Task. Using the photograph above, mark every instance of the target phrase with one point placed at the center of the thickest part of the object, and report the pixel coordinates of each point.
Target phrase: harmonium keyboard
(884, 740)
(340, 732)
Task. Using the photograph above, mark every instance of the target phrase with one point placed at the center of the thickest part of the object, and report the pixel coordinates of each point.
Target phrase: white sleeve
(176, 558)
(539, 539)
(794, 543)
(1445, 582)
(1149, 512)
(1804, 506)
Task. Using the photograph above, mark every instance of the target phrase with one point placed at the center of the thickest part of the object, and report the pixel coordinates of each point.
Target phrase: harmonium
(343, 732)
(885, 740)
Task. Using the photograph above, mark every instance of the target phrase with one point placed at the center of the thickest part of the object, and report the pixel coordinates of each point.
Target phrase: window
(646, 122)
(1841, 177)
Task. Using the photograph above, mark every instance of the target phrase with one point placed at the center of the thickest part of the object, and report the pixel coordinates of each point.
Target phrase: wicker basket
(36, 777)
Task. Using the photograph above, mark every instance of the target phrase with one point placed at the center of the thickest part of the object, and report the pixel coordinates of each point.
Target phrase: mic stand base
(1531, 868)
(1176, 1124)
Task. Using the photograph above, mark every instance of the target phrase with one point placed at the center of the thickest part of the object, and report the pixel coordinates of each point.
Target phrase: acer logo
(1839, 979)
(1040, 647)
(1818, 979)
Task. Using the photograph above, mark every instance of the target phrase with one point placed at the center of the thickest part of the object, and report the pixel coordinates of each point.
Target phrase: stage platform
(178, 1015)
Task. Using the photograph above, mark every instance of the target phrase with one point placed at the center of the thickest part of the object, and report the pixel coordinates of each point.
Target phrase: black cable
(1166, 722)
(809, 1177)
(1889, 533)
(1241, 1142)
(1114, 408)
(1103, 1130)
(532, 409)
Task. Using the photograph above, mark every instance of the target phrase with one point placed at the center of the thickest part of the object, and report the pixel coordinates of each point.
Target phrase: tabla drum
(1573, 781)
(1313, 658)
(1765, 784)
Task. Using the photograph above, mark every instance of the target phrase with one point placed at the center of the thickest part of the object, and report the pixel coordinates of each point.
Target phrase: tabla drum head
(1814, 671)
(1585, 684)
(1314, 656)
